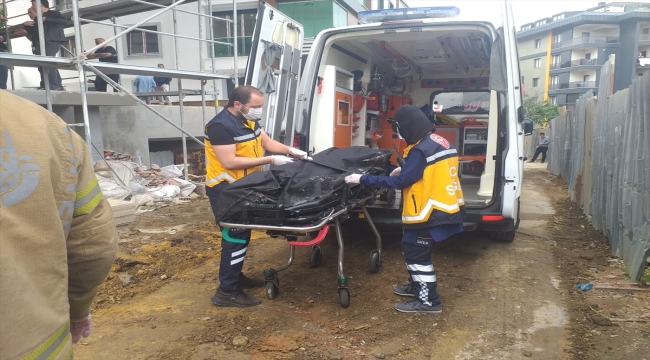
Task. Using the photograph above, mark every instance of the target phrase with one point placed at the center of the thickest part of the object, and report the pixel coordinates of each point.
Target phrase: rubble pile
(195, 162)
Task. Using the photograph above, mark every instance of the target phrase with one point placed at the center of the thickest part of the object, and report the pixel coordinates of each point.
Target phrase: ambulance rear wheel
(504, 236)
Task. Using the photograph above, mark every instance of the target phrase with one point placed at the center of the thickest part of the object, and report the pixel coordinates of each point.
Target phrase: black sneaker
(404, 290)
(247, 283)
(417, 306)
(237, 298)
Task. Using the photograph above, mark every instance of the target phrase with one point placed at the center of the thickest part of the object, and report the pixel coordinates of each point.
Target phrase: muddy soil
(501, 300)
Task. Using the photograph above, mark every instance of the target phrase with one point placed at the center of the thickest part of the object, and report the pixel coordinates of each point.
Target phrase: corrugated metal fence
(602, 150)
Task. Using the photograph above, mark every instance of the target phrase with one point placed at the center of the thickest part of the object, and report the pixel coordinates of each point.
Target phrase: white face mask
(253, 114)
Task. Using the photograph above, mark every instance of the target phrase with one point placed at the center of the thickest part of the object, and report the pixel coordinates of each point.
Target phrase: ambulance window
(458, 102)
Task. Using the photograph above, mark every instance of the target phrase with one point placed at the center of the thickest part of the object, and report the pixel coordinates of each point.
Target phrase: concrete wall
(129, 129)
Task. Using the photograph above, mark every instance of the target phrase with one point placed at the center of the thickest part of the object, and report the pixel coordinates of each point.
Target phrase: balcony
(585, 40)
(573, 85)
(644, 37)
(578, 62)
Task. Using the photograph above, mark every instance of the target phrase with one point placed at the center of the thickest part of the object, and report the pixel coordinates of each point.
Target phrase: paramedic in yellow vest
(234, 148)
(57, 235)
(433, 207)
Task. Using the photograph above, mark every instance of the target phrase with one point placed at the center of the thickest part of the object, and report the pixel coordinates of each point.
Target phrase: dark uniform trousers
(422, 277)
(234, 244)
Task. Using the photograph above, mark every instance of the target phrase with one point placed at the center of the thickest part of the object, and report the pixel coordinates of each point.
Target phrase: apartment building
(561, 56)
(144, 48)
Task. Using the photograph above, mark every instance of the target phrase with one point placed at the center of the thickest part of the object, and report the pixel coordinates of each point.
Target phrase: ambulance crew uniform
(227, 129)
(433, 206)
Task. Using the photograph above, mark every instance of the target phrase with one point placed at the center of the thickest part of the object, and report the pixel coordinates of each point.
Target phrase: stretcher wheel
(375, 262)
(316, 257)
(344, 296)
(272, 290)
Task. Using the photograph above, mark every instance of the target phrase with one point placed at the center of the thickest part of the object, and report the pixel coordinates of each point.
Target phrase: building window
(557, 38)
(553, 100)
(223, 32)
(588, 56)
(558, 17)
(556, 60)
(535, 82)
(538, 43)
(540, 23)
(585, 78)
(555, 80)
(143, 43)
(537, 63)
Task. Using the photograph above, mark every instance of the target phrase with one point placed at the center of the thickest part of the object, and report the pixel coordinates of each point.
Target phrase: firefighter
(57, 240)
(433, 207)
(234, 148)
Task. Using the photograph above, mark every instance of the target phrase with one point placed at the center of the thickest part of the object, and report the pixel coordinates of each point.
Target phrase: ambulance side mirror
(528, 126)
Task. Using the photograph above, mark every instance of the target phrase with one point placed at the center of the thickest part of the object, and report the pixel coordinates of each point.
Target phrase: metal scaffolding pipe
(82, 75)
(152, 31)
(41, 42)
(214, 81)
(201, 36)
(6, 36)
(180, 95)
(184, 11)
(134, 26)
(127, 92)
(236, 50)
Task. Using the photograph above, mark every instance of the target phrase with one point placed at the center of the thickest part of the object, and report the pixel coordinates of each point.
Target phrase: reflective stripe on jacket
(248, 143)
(437, 198)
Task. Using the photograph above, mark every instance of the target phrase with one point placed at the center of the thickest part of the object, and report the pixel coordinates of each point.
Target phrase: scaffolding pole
(214, 82)
(202, 61)
(82, 75)
(45, 72)
(141, 102)
(6, 36)
(180, 95)
(234, 31)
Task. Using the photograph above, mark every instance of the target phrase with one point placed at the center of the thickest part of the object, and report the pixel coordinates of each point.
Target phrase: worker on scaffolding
(58, 238)
(234, 146)
(53, 23)
(108, 54)
(433, 208)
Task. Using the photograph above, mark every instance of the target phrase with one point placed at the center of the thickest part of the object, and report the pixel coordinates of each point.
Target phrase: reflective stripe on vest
(440, 154)
(220, 177)
(429, 207)
(53, 346)
(248, 136)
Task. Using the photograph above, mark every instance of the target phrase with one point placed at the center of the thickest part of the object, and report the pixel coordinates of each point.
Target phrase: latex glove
(298, 153)
(353, 179)
(280, 160)
(80, 328)
(396, 172)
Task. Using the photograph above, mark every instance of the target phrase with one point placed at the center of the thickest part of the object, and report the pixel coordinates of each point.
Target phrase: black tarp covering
(300, 188)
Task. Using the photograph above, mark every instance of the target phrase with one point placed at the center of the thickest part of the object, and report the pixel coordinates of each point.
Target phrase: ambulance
(464, 75)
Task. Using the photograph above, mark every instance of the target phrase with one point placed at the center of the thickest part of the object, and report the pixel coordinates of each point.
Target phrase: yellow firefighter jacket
(248, 142)
(437, 198)
(57, 236)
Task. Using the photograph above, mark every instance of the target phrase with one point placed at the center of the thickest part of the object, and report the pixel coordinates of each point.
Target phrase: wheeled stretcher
(307, 225)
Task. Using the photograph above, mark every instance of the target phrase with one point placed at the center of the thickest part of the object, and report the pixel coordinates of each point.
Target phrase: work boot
(404, 290)
(417, 306)
(247, 283)
(237, 298)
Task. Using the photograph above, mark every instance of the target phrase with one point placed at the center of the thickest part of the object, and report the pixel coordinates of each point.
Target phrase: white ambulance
(463, 74)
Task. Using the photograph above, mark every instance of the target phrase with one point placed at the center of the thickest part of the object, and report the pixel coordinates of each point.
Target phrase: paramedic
(58, 237)
(433, 207)
(234, 146)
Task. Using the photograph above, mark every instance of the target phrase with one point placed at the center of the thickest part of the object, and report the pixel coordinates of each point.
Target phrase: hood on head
(413, 123)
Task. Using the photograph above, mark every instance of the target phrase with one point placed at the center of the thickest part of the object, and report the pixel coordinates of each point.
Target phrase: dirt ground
(501, 301)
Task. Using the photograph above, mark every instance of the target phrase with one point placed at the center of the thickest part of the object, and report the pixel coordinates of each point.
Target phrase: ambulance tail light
(401, 14)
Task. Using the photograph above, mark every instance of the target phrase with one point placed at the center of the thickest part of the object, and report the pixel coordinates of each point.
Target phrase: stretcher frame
(332, 220)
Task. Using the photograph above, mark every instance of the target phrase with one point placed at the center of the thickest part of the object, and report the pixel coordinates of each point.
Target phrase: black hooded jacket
(413, 123)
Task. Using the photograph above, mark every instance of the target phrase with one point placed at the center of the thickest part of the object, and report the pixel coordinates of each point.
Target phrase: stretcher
(307, 225)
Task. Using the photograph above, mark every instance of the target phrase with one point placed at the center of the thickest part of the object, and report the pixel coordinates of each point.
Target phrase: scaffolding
(110, 10)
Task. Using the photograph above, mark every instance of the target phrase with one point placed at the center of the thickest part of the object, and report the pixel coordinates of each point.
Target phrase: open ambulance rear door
(274, 68)
(514, 159)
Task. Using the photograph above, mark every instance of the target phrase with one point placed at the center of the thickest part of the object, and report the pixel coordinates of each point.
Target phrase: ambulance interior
(442, 68)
